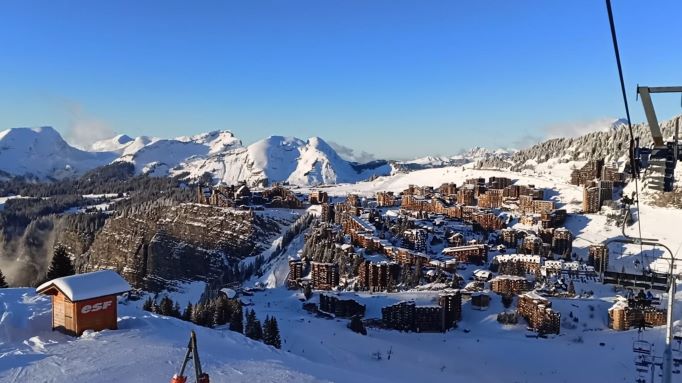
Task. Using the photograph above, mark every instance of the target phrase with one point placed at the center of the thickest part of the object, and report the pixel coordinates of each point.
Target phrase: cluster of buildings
(598, 181)
(241, 196)
(635, 312)
(408, 316)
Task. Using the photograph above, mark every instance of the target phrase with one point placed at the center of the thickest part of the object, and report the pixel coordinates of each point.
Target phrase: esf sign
(99, 306)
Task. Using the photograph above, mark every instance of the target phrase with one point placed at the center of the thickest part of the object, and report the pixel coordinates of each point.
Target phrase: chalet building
(466, 197)
(510, 237)
(491, 199)
(537, 311)
(224, 196)
(480, 301)
(476, 181)
(532, 244)
(518, 264)
(318, 197)
(635, 313)
(595, 193)
(327, 214)
(487, 221)
(295, 273)
(509, 284)
(499, 182)
(447, 189)
(353, 200)
(451, 304)
(325, 276)
(598, 256)
(85, 301)
(399, 316)
(590, 171)
(387, 199)
(415, 239)
(378, 276)
(611, 173)
(562, 242)
(343, 308)
(407, 316)
(529, 219)
(475, 254)
(281, 197)
(456, 239)
(555, 218)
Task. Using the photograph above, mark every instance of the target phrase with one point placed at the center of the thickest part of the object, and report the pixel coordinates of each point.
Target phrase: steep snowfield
(42, 153)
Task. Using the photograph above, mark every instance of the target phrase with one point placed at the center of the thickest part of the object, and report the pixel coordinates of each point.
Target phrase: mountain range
(41, 153)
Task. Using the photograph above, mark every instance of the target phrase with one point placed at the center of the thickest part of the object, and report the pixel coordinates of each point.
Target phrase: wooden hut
(85, 301)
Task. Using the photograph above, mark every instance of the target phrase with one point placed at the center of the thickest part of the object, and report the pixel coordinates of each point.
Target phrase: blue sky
(394, 78)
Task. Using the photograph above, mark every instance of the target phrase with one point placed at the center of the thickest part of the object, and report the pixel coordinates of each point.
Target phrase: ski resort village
(467, 271)
(324, 191)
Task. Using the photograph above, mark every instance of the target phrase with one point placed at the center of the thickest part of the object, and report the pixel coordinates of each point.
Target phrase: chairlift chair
(641, 347)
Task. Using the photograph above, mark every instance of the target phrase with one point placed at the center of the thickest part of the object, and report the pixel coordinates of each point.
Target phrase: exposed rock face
(184, 242)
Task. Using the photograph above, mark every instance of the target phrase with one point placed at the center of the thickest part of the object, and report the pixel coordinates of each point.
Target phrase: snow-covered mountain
(467, 156)
(42, 153)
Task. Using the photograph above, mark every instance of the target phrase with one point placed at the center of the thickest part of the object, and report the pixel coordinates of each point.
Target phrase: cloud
(578, 128)
(84, 129)
(526, 141)
(349, 154)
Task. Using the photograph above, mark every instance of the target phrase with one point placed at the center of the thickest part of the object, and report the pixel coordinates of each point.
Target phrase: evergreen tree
(3, 283)
(61, 264)
(571, 288)
(187, 314)
(237, 320)
(176, 310)
(148, 304)
(271, 333)
(223, 311)
(166, 306)
(253, 330)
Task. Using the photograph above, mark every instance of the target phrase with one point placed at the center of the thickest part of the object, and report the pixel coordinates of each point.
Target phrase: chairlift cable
(633, 169)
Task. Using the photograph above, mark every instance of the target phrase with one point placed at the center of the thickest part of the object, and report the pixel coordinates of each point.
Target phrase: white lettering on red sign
(96, 307)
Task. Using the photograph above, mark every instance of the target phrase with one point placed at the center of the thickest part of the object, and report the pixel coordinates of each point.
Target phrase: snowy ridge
(43, 154)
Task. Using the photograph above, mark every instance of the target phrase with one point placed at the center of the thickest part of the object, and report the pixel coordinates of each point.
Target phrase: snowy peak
(43, 153)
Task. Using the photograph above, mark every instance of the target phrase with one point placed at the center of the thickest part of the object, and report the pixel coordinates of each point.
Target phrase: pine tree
(176, 310)
(166, 306)
(3, 283)
(187, 314)
(237, 320)
(148, 304)
(61, 264)
(254, 330)
(271, 333)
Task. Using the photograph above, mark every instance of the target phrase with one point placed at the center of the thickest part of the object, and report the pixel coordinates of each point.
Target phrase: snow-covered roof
(88, 285)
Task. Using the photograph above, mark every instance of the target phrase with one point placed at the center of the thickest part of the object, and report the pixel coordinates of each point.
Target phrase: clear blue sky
(394, 78)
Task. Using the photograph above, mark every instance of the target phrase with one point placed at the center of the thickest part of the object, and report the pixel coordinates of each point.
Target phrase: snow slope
(145, 348)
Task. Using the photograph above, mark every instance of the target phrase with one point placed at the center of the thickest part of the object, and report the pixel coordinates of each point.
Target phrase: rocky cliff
(152, 246)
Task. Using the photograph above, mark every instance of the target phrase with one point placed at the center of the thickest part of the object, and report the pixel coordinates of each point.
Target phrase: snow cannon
(193, 355)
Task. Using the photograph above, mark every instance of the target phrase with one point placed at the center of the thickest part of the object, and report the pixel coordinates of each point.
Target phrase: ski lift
(642, 361)
(641, 347)
(677, 346)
